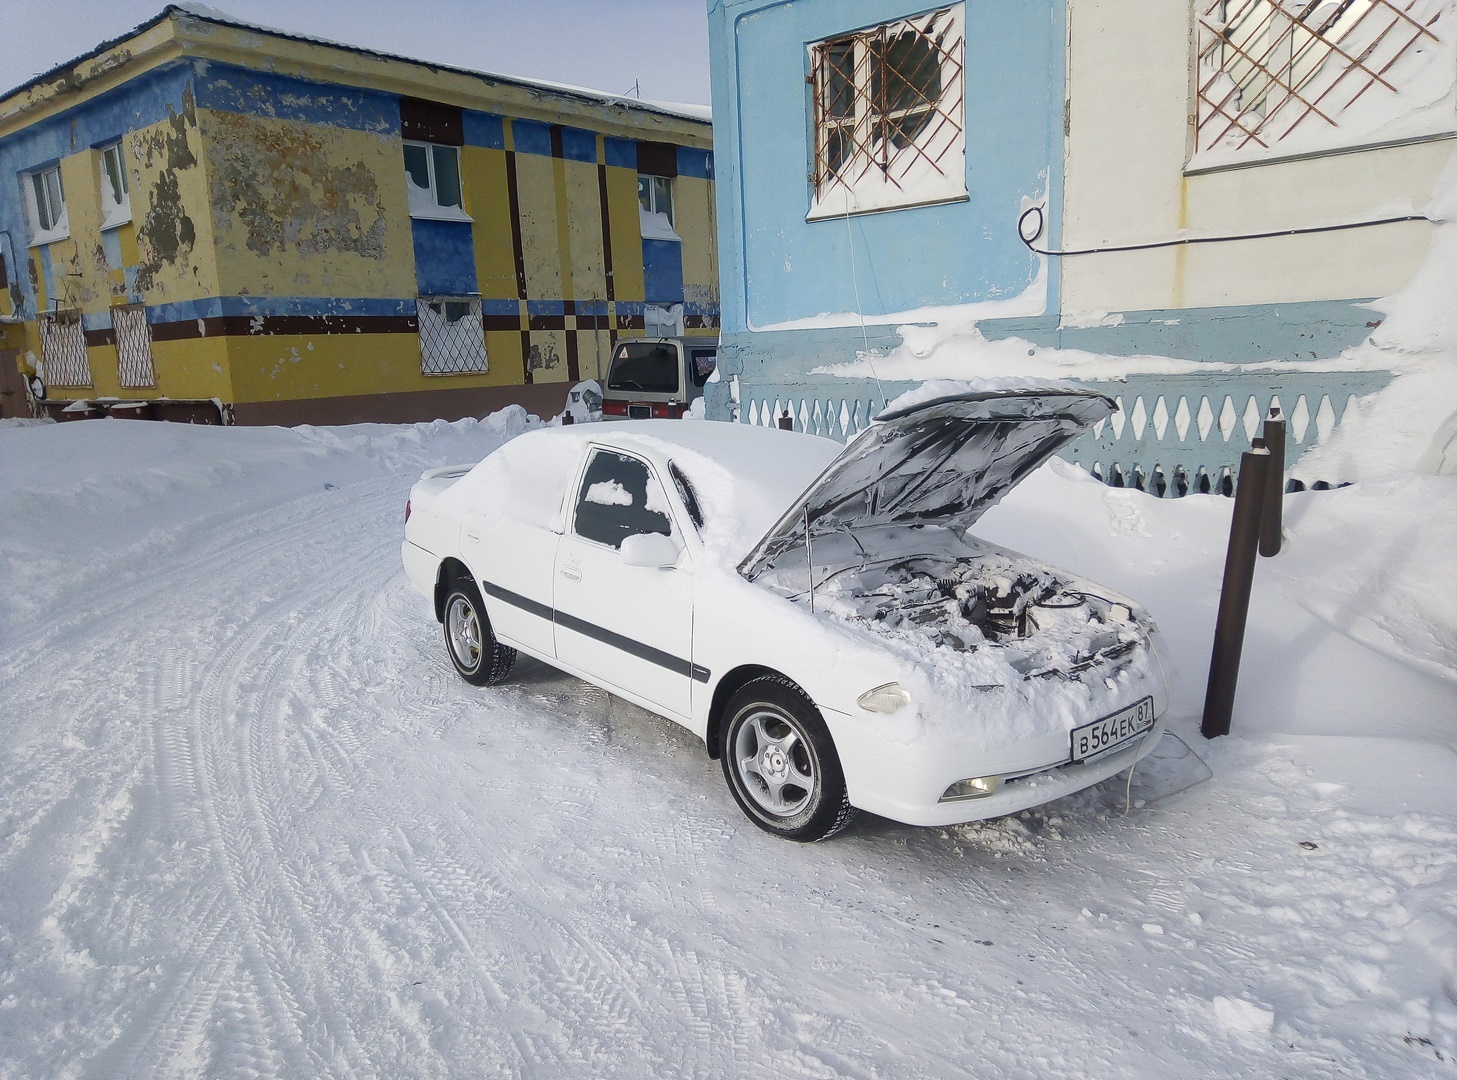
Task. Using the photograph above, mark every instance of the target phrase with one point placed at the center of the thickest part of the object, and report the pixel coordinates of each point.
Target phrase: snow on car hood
(944, 461)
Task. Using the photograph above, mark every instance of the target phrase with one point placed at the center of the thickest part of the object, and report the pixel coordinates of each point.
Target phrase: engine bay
(1043, 624)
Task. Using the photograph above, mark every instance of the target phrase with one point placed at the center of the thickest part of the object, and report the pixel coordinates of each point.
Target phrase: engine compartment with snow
(958, 592)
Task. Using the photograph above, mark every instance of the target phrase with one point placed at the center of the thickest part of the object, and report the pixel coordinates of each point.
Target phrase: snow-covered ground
(252, 824)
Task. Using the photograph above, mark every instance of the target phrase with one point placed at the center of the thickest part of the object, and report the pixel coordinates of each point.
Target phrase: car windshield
(650, 366)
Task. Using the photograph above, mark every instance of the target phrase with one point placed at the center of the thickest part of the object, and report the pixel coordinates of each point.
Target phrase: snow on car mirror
(649, 549)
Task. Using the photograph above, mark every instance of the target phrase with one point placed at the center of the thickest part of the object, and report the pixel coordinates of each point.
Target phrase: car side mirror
(649, 549)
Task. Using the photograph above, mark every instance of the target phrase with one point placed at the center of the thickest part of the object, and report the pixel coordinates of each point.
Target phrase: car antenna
(810, 558)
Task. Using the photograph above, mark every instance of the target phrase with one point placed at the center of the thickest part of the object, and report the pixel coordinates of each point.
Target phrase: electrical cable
(860, 309)
(1029, 236)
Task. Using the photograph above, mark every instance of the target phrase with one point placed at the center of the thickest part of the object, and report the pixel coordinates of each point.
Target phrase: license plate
(639, 412)
(1108, 734)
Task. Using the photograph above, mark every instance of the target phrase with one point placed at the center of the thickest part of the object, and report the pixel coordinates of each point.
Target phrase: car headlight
(976, 788)
(889, 698)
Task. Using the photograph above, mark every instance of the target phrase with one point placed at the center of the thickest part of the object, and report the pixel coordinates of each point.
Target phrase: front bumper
(905, 793)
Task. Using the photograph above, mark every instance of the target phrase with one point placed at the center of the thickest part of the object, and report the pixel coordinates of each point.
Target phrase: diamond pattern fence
(1170, 436)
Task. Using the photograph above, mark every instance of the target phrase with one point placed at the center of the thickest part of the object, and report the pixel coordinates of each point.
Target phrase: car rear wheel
(780, 762)
(478, 657)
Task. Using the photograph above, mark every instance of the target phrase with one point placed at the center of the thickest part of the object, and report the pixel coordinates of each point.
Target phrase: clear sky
(659, 45)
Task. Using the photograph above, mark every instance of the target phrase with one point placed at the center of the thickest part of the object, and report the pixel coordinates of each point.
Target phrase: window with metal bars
(63, 359)
(889, 115)
(1294, 76)
(452, 335)
(134, 365)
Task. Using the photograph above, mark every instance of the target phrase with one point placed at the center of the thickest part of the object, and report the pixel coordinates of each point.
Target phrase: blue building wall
(139, 103)
(776, 267)
(779, 267)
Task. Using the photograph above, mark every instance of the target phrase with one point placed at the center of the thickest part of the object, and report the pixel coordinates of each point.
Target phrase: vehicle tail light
(614, 408)
(670, 411)
(407, 511)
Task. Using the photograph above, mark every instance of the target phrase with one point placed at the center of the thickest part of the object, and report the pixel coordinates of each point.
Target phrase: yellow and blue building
(304, 232)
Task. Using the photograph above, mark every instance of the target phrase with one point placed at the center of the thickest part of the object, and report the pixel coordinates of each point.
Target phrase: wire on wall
(1033, 221)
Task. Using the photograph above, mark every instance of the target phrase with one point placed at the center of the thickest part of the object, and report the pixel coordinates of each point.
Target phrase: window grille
(1267, 67)
(133, 346)
(889, 114)
(63, 349)
(452, 336)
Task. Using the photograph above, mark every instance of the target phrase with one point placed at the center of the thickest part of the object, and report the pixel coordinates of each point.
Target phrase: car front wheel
(780, 762)
(477, 655)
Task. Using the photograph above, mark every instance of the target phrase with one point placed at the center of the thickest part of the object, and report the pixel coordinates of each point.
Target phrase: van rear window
(646, 366)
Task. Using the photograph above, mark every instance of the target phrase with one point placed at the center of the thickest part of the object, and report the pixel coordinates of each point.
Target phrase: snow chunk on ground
(1243, 1017)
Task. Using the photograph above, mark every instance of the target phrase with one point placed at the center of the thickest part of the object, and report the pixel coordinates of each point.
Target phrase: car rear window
(650, 367)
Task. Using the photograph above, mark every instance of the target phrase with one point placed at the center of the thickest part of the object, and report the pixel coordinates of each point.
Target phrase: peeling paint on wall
(543, 357)
(167, 234)
(169, 141)
(282, 187)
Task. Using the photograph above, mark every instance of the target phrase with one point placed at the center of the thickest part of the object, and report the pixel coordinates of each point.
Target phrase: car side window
(704, 361)
(619, 498)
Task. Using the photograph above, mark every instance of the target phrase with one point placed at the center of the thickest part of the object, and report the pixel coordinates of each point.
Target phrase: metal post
(1234, 595)
(1272, 511)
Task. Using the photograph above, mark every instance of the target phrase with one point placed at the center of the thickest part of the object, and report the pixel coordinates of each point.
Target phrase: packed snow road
(252, 824)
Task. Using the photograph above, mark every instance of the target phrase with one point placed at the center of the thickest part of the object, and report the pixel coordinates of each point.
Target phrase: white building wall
(1130, 136)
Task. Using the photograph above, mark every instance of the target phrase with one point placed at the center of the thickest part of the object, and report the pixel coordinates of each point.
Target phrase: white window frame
(655, 212)
(876, 174)
(425, 201)
(48, 179)
(446, 346)
(114, 210)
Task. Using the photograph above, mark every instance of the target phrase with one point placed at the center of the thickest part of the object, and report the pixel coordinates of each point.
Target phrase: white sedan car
(821, 617)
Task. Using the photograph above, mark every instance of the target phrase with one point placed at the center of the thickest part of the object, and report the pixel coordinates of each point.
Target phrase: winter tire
(780, 762)
(479, 658)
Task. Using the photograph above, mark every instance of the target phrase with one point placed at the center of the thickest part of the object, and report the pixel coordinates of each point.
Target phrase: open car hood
(941, 462)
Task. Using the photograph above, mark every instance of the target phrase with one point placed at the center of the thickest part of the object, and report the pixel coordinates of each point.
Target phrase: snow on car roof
(743, 476)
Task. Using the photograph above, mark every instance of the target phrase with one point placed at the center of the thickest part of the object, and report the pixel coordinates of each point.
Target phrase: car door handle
(571, 573)
(473, 537)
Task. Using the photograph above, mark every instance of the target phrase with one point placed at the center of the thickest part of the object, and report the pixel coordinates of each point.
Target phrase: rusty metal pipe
(1272, 521)
(1234, 595)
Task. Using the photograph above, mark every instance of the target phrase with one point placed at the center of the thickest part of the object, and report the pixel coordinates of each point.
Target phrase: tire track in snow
(240, 788)
(187, 774)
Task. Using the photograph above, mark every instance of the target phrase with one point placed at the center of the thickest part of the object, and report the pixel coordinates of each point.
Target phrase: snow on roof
(208, 13)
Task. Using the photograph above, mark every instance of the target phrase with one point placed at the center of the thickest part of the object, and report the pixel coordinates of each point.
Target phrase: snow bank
(1412, 424)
